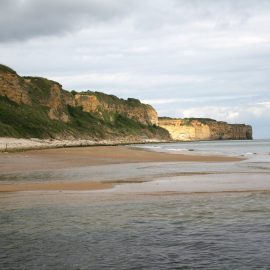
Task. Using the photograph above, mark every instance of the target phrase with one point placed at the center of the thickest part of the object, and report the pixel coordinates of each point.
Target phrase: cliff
(192, 129)
(38, 107)
(132, 108)
(34, 107)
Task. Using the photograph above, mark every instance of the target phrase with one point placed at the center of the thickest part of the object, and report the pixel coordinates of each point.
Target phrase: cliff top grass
(111, 99)
(4, 68)
(201, 120)
(188, 119)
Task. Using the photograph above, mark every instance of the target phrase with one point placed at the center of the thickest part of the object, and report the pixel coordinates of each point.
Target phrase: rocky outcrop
(56, 104)
(13, 87)
(36, 90)
(89, 103)
(97, 102)
(192, 129)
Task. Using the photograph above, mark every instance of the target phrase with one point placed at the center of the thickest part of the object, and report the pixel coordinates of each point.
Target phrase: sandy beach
(61, 158)
(54, 186)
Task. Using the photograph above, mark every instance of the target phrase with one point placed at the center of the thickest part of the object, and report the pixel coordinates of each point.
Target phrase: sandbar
(61, 158)
(90, 156)
(54, 186)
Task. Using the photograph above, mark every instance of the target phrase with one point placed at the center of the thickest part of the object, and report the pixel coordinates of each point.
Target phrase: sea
(171, 215)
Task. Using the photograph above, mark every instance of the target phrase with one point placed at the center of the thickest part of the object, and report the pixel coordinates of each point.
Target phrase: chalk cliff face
(99, 102)
(204, 129)
(13, 87)
(28, 90)
(38, 107)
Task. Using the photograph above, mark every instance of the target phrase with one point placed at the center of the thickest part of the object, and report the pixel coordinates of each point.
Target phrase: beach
(9, 144)
(76, 157)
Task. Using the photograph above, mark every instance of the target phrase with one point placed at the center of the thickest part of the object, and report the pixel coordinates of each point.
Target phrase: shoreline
(157, 186)
(76, 157)
(55, 186)
(79, 157)
(9, 144)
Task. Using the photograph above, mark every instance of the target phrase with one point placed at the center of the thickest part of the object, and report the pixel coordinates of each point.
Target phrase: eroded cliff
(13, 86)
(107, 105)
(28, 90)
(38, 107)
(70, 114)
(192, 129)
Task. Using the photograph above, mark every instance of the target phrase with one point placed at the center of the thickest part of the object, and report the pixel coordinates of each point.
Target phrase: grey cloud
(221, 14)
(24, 19)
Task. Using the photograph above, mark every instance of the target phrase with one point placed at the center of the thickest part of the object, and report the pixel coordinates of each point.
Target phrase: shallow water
(217, 218)
(103, 231)
(237, 147)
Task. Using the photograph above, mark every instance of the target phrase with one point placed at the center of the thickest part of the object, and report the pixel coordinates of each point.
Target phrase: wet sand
(54, 186)
(89, 156)
(51, 159)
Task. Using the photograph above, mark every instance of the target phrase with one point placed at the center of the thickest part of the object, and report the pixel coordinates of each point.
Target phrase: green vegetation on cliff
(24, 121)
(188, 120)
(4, 68)
(20, 120)
(51, 112)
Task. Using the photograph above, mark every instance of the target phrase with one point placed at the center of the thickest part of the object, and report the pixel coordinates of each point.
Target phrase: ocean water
(184, 216)
(250, 148)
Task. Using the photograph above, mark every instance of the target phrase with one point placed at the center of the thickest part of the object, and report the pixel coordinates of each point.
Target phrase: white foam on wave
(177, 149)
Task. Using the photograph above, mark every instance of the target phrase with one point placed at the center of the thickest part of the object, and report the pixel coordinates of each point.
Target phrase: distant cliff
(192, 129)
(38, 107)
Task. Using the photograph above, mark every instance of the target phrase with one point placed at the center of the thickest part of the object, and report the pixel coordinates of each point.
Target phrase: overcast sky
(187, 58)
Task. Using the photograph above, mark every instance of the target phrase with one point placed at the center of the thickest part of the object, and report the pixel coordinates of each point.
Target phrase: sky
(187, 58)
